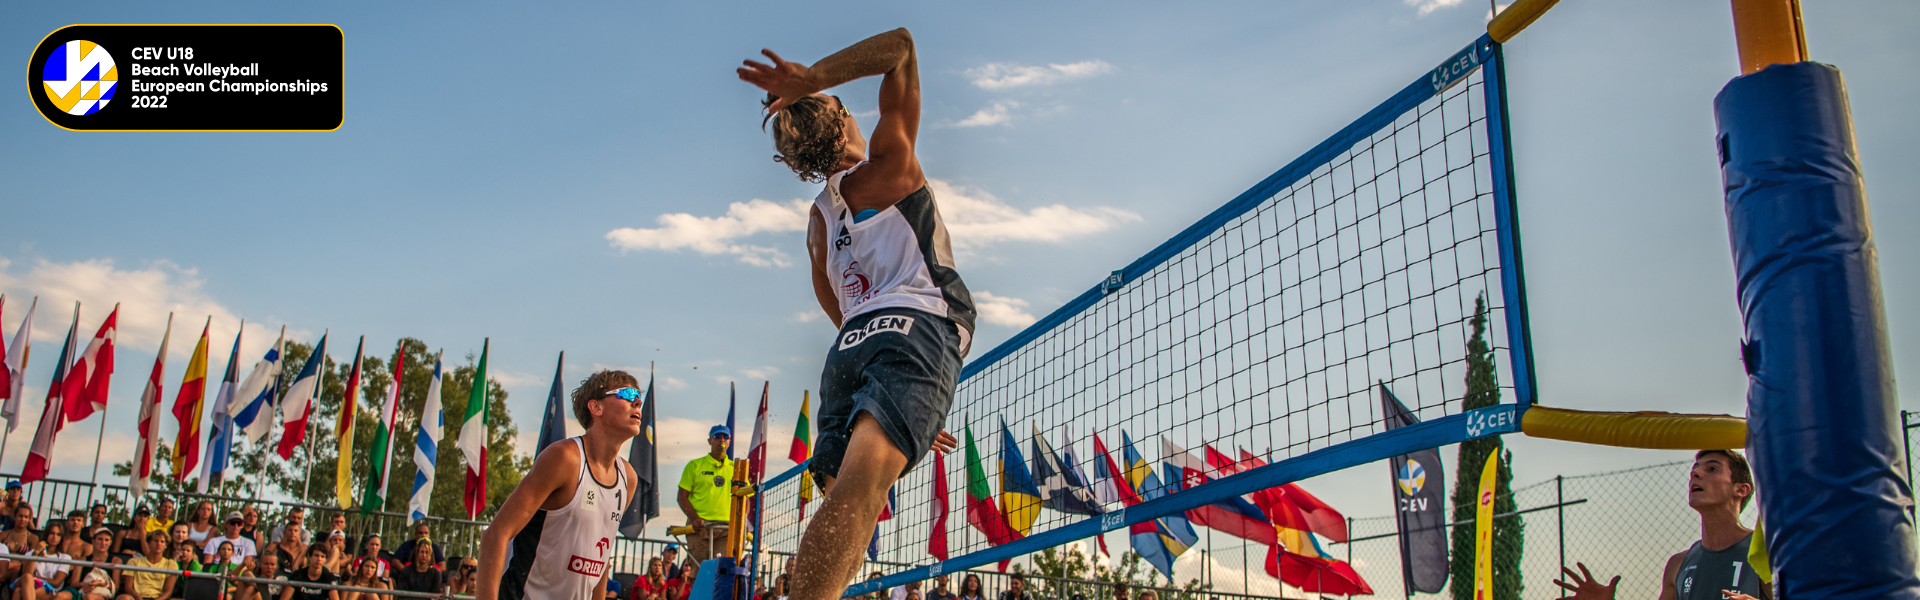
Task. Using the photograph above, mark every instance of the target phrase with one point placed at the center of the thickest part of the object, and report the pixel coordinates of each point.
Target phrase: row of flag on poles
(250, 407)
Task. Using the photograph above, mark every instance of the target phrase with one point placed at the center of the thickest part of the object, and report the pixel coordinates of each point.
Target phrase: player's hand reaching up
(1584, 585)
(786, 81)
(944, 442)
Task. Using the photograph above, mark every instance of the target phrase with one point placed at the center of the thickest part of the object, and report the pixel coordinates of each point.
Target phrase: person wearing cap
(132, 541)
(613, 589)
(7, 502)
(243, 548)
(706, 496)
(670, 557)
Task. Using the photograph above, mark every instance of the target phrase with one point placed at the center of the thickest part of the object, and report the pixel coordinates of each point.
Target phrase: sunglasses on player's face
(632, 396)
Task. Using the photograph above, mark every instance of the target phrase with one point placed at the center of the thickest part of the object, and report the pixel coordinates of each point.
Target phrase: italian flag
(982, 513)
(380, 456)
(473, 438)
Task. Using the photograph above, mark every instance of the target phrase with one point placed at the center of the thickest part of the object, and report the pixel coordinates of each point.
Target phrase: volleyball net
(1249, 351)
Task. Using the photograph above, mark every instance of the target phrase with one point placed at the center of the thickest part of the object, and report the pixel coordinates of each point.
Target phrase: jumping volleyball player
(883, 271)
(553, 536)
(1717, 566)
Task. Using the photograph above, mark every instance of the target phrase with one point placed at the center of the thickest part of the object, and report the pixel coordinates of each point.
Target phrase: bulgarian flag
(802, 449)
(150, 399)
(381, 455)
(186, 409)
(349, 408)
(982, 513)
(473, 438)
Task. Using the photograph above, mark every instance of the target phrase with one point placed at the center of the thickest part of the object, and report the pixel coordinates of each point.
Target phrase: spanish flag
(186, 409)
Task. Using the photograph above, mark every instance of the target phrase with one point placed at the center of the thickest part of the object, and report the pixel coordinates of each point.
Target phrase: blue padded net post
(1823, 434)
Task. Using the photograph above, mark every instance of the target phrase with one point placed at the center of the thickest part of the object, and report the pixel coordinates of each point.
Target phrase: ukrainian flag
(1019, 497)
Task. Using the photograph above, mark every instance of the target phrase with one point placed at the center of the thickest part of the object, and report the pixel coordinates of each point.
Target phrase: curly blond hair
(809, 137)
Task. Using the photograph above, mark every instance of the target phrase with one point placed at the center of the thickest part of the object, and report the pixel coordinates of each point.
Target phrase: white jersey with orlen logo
(899, 258)
(562, 553)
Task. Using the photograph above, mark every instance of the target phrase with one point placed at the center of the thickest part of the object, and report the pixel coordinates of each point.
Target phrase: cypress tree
(1483, 390)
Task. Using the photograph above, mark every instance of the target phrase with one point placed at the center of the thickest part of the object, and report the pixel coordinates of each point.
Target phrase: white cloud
(976, 218)
(512, 379)
(718, 235)
(668, 384)
(809, 316)
(760, 373)
(1002, 310)
(1427, 7)
(1000, 76)
(1000, 113)
(145, 296)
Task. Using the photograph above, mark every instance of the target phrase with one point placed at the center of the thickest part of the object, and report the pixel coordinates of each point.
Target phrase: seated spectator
(162, 518)
(97, 518)
(142, 585)
(97, 583)
(1016, 588)
(942, 589)
(20, 533)
(338, 558)
(186, 556)
(364, 577)
(250, 525)
(132, 540)
(900, 593)
(671, 558)
(48, 578)
(243, 549)
(200, 525)
(296, 516)
(8, 501)
(460, 581)
(268, 566)
(970, 588)
(421, 533)
(76, 536)
(223, 561)
(651, 585)
(316, 572)
(292, 551)
(370, 553)
(423, 574)
(613, 590)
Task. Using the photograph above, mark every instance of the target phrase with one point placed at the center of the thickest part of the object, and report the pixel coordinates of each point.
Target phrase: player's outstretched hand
(1584, 585)
(944, 442)
(787, 81)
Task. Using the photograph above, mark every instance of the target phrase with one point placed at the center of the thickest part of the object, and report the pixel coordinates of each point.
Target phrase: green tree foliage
(1067, 573)
(258, 464)
(1483, 390)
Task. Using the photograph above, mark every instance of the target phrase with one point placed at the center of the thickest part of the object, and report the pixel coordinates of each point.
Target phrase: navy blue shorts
(899, 365)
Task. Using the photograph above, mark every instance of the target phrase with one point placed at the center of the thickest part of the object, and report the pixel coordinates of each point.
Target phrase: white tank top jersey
(562, 553)
(899, 258)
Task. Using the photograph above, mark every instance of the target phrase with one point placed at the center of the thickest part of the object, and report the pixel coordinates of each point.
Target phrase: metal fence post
(1560, 515)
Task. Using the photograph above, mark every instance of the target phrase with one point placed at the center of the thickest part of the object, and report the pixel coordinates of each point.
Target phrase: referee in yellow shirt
(705, 494)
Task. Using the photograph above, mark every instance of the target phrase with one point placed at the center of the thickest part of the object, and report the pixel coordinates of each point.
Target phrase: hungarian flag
(300, 399)
(86, 384)
(801, 450)
(937, 542)
(553, 420)
(473, 439)
(757, 445)
(380, 456)
(53, 418)
(343, 431)
(186, 409)
(17, 366)
(150, 399)
(253, 406)
(220, 435)
(426, 447)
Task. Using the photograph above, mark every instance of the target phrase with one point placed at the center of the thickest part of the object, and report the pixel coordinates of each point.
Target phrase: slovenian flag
(380, 456)
(253, 410)
(187, 407)
(426, 447)
(300, 399)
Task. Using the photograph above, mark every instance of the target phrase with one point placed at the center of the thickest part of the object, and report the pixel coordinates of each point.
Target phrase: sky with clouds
(591, 177)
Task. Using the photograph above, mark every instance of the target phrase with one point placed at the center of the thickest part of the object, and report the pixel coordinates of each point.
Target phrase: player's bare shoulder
(1670, 573)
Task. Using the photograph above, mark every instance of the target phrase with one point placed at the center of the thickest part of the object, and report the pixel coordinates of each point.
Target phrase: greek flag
(426, 447)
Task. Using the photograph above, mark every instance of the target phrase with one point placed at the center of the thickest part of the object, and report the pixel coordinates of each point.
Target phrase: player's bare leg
(830, 550)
